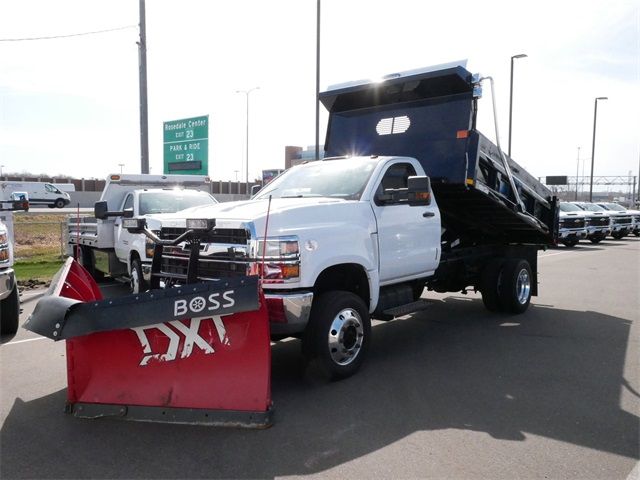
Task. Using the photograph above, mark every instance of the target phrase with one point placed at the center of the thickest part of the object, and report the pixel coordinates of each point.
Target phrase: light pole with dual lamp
(593, 144)
(247, 92)
(577, 173)
(520, 55)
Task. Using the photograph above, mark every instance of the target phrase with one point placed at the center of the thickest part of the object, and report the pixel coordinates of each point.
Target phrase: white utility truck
(104, 247)
(410, 196)
(40, 193)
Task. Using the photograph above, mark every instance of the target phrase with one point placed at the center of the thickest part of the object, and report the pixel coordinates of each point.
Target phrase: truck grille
(599, 221)
(217, 235)
(230, 262)
(572, 222)
(175, 266)
(621, 220)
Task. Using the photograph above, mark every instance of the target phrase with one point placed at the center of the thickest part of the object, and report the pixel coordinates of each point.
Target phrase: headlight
(284, 247)
(4, 254)
(201, 223)
(278, 259)
(4, 238)
(149, 248)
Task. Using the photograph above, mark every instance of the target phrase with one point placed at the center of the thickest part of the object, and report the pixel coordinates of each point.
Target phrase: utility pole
(144, 117)
(247, 92)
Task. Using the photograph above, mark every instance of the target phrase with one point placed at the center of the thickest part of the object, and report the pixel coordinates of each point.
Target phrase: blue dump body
(431, 116)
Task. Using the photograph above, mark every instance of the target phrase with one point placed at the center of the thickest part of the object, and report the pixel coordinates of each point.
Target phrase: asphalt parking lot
(450, 392)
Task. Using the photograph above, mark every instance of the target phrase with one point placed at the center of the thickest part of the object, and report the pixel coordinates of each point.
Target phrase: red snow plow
(198, 353)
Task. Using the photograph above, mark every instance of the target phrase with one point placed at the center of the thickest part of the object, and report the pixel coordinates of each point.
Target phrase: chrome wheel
(523, 286)
(345, 336)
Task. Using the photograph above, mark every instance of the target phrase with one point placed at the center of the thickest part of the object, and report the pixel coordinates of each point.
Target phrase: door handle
(428, 214)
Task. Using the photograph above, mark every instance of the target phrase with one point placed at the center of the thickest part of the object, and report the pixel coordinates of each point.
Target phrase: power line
(67, 36)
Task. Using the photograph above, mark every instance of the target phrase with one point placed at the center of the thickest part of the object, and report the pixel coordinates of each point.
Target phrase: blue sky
(70, 106)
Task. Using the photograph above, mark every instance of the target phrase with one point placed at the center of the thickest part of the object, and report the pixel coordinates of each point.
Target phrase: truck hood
(573, 214)
(285, 214)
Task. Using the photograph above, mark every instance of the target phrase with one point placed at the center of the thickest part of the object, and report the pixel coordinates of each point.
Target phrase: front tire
(570, 243)
(618, 235)
(338, 335)
(10, 313)
(137, 283)
(59, 203)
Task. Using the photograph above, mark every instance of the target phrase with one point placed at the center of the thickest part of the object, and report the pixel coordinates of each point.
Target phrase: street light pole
(521, 55)
(577, 173)
(593, 144)
(247, 92)
(318, 81)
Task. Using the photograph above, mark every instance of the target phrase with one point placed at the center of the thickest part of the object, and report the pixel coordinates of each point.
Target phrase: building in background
(296, 155)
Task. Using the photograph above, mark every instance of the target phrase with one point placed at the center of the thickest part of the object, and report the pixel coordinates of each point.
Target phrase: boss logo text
(211, 303)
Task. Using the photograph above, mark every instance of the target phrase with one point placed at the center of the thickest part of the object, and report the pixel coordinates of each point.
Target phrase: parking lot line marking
(23, 341)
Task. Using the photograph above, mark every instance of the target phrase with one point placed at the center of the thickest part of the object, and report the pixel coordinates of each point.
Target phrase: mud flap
(197, 354)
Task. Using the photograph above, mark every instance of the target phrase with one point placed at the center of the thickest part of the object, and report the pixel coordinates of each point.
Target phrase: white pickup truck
(9, 296)
(104, 247)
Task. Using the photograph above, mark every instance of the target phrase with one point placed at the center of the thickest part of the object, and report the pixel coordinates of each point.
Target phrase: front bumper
(7, 282)
(621, 227)
(598, 230)
(572, 233)
(288, 312)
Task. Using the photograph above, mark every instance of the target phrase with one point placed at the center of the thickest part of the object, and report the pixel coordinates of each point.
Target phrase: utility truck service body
(423, 199)
(103, 246)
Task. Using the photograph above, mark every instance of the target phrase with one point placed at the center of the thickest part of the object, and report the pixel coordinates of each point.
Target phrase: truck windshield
(344, 179)
(569, 207)
(592, 207)
(172, 201)
(614, 206)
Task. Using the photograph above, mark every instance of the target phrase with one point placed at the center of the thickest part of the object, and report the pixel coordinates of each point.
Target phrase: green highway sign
(186, 146)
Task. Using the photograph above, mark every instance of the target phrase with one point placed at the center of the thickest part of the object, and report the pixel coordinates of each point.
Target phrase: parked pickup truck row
(595, 221)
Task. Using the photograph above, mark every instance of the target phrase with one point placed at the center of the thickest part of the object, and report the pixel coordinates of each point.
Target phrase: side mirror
(419, 191)
(100, 210)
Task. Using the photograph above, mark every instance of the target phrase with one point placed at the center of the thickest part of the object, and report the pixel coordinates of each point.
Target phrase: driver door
(408, 237)
(123, 239)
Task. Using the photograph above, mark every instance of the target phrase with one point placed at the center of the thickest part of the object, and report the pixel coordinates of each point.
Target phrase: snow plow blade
(196, 354)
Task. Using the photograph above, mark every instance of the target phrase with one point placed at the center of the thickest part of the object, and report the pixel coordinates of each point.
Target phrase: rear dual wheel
(505, 285)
